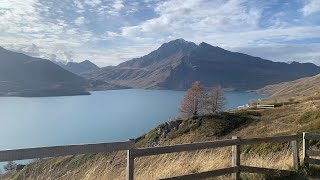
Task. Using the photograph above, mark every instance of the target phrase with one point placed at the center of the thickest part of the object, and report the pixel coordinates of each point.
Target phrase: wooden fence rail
(55, 151)
(132, 153)
(306, 149)
(235, 142)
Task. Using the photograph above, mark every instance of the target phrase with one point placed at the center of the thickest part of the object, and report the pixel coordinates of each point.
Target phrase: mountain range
(22, 75)
(174, 65)
(79, 68)
(177, 64)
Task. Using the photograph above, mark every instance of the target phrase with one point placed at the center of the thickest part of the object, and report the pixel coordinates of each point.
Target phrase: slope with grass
(286, 119)
(304, 88)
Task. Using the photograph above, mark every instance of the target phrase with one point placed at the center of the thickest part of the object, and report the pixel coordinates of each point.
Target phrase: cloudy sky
(111, 31)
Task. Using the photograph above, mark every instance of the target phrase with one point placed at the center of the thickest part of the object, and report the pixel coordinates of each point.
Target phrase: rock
(20, 167)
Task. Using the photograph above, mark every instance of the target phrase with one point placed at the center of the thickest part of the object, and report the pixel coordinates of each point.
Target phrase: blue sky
(109, 32)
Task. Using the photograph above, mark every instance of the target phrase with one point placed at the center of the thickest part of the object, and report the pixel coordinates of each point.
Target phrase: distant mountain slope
(300, 88)
(22, 75)
(177, 64)
(79, 68)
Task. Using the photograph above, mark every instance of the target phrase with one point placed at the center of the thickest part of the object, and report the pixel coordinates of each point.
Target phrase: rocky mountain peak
(178, 47)
(88, 64)
(179, 44)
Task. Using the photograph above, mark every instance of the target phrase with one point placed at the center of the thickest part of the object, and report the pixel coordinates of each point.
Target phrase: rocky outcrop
(160, 133)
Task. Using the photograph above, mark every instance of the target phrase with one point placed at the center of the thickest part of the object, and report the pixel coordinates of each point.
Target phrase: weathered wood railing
(132, 153)
(236, 168)
(55, 151)
(306, 149)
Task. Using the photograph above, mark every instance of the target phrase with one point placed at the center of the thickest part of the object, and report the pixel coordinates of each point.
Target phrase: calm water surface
(104, 116)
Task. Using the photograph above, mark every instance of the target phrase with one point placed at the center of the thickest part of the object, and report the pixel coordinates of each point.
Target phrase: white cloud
(284, 52)
(68, 55)
(116, 7)
(80, 21)
(110, 35)
(311, 7)
(92, 3)
(182, 18)
(32, 50)
(26, 24)
(78, 4)
(111, 31)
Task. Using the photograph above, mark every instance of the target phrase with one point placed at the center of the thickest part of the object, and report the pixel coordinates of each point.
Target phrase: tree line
(196, 101)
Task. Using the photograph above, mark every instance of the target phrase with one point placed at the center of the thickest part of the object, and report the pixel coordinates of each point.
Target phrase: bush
(309, 116)
(10, 166)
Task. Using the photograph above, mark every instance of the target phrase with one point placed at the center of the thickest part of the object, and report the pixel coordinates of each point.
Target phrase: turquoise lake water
(104, 116)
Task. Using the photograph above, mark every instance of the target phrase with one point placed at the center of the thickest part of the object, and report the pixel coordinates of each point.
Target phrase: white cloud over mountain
(111, 31)
(312, 6)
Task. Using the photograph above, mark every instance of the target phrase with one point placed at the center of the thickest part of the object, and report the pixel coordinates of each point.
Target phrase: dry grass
(153, 167)
(299, 89)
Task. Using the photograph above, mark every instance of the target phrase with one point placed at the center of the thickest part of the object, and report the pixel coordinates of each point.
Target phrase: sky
(108, 32)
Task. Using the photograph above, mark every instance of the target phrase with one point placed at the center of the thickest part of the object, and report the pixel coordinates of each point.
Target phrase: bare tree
(193, 101)
(215, 100)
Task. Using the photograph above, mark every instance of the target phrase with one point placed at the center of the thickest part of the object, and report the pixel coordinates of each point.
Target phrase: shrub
(10, 166)
(309, 116)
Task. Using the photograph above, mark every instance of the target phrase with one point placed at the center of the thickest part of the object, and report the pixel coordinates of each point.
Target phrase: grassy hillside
(304, 88)
(287, 119)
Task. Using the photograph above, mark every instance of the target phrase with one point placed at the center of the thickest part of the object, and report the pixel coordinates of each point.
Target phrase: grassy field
(283, 120)
(300, 89)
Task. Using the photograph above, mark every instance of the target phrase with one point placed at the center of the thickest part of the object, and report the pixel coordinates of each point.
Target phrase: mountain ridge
(23, 75)
(177, 64)
(81, 67)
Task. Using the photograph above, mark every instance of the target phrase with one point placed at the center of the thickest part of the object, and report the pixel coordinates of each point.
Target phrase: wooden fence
(132, 153)
(236, 168)
(265, 106)
(306, 149)
(55, 151)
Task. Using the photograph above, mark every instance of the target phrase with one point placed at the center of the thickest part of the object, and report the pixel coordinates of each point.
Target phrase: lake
(104, 116)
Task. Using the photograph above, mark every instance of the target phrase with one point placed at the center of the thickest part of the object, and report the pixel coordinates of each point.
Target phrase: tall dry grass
(112, 166)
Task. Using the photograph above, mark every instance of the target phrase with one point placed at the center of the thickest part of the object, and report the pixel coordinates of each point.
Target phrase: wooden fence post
(236, 159)
(306, 147)
(130, 163)
(295, 153)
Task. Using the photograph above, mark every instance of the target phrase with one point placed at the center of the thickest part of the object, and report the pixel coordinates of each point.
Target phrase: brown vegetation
(196, 101)
(193, 100)
(215, 100)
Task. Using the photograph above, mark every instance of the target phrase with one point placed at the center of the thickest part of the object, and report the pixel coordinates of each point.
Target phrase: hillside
(287, 119)
(299, 89)
(22, 75)
(177, 64)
